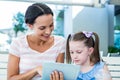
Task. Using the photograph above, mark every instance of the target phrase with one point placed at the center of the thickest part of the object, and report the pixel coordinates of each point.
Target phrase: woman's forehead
(44, 18)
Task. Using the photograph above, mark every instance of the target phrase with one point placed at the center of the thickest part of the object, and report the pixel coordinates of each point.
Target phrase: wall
(99, 20)
(117, 18)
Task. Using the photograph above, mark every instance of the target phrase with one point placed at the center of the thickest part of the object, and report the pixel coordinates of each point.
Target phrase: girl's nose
(74, 56)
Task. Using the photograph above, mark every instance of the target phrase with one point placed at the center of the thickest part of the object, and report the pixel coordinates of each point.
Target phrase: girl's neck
(86, 67)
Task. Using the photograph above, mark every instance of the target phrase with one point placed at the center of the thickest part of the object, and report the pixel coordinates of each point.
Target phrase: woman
(29, 52)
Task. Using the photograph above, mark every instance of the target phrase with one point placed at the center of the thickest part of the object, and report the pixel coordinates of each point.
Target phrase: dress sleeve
(102, 74)
(14, 48)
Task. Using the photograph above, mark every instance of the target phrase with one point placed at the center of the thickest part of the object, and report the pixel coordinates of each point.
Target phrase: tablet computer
(70, 71)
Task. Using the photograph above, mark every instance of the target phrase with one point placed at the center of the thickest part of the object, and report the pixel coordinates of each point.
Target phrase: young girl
(83, 50)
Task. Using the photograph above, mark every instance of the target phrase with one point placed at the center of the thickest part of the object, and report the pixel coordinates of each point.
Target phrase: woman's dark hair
(35, 10)
(88, 41)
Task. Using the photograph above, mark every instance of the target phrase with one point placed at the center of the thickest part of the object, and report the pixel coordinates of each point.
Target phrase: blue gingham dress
(94, 74)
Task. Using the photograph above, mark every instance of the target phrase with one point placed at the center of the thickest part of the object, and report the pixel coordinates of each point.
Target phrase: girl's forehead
(76, 44)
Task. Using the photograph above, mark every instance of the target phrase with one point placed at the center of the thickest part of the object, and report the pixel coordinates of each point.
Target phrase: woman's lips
(46, 36)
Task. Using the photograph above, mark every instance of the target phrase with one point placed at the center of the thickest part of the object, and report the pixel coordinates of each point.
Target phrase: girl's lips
(76, 60)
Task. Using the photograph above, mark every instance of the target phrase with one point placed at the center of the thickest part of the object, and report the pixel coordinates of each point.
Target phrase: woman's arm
(60, 58)
(13, 70)
(56, 75)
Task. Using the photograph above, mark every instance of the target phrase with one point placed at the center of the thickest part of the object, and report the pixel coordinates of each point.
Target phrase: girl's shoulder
(102, 72)
(100, 64)
(96, 70)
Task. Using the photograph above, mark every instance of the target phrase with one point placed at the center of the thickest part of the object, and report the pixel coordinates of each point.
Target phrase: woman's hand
(56, 75)
(39, 70)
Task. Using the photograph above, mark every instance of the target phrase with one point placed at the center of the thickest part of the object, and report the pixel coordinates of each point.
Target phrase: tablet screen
(70, 71)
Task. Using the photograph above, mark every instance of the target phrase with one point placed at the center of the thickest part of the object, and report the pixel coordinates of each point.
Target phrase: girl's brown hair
(89, 41)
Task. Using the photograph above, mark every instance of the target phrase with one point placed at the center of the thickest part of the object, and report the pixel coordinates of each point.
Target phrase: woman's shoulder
(20, 39)
(59, 41)
(59, 38)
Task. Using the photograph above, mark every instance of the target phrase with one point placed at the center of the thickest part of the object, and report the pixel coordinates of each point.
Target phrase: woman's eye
(51, 25)
(42, 27)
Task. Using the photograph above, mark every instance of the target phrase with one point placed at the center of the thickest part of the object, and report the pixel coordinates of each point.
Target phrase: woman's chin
(46, 38)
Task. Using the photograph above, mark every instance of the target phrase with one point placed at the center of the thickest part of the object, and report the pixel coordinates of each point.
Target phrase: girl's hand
(56, 75)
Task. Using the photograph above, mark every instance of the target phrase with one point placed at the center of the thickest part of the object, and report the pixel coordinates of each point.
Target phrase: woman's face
(43, 27)
(79, 52)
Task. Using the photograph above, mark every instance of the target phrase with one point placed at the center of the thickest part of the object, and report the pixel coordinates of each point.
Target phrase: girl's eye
(42, 27)
(71, 52)
(79, 52)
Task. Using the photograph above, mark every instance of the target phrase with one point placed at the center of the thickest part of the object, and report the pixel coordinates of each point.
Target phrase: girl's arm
(106, 73)
(13, 70)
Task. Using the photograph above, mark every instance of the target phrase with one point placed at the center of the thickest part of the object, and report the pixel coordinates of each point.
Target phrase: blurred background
(70, 16)
(101, 16)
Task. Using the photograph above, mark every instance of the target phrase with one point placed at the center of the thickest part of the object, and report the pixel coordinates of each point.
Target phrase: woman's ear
(91, 49)
(30, 26)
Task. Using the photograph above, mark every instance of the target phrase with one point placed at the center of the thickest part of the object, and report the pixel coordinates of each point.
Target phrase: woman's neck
(39, 45)
(37, 41)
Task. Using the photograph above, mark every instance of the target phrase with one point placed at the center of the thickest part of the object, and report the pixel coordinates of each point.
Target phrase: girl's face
(79, 52)
(43, 27)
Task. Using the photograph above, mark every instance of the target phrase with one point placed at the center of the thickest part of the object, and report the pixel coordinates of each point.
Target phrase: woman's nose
(47, 31)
